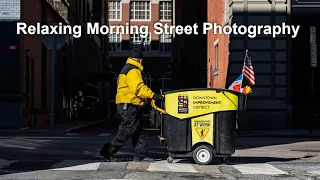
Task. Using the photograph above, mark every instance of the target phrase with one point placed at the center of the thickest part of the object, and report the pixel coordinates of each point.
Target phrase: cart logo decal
(183, 105)
(202, 132)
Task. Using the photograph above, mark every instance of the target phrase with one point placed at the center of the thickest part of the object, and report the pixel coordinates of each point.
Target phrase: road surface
(75, 156)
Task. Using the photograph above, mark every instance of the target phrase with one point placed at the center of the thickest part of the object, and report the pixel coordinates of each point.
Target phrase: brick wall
(9, 10)
(34, 44)
(216, 15)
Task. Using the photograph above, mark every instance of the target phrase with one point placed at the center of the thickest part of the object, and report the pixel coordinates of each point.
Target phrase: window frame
(120, 39)
(165, 20)
(162, 44)
(116, 10)
(215, 64)
(148, 42)
(134, 10)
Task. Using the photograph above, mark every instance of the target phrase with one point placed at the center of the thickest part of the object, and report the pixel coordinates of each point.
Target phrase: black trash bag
(154, 119)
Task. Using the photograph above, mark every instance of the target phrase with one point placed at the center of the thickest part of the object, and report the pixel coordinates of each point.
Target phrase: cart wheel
(170, 159)
(203, 155)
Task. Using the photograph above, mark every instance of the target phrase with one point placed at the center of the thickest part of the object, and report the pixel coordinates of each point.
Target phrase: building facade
(26, 62)
(282, 64)
(157, 48)
(217, 45)
(189, 51)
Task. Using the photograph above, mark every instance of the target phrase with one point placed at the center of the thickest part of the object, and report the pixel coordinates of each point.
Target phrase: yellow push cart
(199, 123)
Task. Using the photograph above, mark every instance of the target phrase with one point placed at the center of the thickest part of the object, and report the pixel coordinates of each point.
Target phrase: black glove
(157, 97)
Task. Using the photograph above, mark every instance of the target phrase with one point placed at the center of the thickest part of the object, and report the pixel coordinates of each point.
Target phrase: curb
(82, 127)
(28, 132)
(282, 136)
(72, 129)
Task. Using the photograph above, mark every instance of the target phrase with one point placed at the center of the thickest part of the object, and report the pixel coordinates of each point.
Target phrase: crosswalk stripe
(76, 166)
(164, 166)
(258, 168)
(314, 171)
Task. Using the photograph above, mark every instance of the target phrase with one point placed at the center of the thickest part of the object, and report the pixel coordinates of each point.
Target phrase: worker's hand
(157, 97)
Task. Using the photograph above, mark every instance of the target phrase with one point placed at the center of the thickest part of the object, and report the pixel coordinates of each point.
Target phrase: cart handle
(153, 104)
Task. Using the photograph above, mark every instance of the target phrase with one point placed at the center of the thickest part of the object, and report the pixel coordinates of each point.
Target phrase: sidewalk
(61, 128)
(298, 133)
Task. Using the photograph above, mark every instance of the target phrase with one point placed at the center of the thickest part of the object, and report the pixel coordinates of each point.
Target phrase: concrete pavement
(80, 169)
(86, 169)
(294, 133)
(75, 156)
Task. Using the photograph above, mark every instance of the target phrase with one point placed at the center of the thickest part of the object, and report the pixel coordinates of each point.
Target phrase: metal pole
(312, 107)
(53, 68)
(312, 80)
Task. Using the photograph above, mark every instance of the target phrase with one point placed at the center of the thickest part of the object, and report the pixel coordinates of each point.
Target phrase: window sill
(115, 20)
(140, 20)
(165, 20)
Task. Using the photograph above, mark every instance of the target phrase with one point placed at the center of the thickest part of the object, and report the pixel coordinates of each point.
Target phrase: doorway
(305, 89)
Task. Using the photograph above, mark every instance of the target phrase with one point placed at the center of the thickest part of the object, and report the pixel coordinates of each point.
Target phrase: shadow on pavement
(234, 160)
(256, 142)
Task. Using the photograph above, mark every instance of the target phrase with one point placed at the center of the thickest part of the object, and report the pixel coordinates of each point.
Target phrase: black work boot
(105, 152)
(142, 159)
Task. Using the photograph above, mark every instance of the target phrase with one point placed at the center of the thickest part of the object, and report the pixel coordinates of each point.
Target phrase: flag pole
(244, 59)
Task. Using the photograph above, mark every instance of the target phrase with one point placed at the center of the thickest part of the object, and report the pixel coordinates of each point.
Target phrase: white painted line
(72, 134)
(164, 166)
(105, 134)
(258, 168)
(7, 144)
(81, 167)
(316, 171)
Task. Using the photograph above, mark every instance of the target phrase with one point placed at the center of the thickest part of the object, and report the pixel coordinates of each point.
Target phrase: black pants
(131, 125)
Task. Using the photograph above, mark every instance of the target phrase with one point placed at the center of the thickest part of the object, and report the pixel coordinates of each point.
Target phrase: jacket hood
(135, 63)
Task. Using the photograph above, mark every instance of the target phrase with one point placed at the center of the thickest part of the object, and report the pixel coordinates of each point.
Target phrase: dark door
(9, 76)
(305, 79)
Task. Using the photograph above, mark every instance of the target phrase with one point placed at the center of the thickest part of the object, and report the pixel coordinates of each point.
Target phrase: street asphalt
(75, 156)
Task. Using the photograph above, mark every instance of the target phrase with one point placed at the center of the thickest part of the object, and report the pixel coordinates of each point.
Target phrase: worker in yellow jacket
(132, 94)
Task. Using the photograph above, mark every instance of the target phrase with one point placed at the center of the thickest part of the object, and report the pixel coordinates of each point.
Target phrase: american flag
(247, 70)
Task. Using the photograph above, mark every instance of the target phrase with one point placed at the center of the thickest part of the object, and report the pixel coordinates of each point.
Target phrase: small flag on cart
(247, 70)
(237, 84)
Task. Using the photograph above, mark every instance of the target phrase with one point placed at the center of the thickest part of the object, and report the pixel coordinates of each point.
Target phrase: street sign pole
(313, 63)
(53, 42)
(53, 74)
(313, 53)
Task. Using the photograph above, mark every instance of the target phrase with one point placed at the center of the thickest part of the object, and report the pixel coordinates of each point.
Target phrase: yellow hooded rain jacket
(131, 88)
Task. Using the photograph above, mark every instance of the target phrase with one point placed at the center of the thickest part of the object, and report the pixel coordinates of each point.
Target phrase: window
(165, 10)
(140, 10)
(165, 42)
(216, 58)
(114, 10)
(115, 42)
(136, 40)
